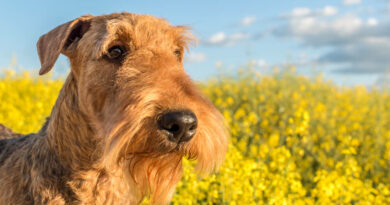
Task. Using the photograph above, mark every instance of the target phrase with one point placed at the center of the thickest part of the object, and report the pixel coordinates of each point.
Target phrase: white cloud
(378, 41)
(307, 27)
(372, 22)
(217, 38)
(247, 21)
(330, 11)
(223, 39)
(195, 57)
(261, 63)
(303, 25)
(351, 44)
(300, 12)
(345, 25)
(303, 12)
(351, 2)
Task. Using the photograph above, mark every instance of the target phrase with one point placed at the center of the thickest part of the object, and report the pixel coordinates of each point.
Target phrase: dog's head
(131, 84)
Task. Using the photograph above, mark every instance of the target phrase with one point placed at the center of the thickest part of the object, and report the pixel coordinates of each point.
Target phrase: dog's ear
(59, 39)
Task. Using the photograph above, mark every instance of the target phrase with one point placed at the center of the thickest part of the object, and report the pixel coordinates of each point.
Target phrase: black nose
(180, 126)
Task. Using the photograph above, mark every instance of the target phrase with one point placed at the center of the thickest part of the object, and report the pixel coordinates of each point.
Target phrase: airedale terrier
(122, 123)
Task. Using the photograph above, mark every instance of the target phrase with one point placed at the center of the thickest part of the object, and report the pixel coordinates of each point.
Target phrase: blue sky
(347, 40)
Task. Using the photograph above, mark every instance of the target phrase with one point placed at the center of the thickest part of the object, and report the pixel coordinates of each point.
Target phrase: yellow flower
(295, 140)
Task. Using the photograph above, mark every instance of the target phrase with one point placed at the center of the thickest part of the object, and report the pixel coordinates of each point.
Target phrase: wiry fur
(101, 144)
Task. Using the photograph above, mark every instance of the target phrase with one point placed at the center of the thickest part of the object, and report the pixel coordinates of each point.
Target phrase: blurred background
(346, 40)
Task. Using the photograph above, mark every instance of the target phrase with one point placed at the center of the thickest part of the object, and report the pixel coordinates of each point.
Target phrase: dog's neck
(70, 135)
(68, 130)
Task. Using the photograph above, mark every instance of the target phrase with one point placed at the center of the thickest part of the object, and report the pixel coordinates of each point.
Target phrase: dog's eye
(116, 53)
(177, 52)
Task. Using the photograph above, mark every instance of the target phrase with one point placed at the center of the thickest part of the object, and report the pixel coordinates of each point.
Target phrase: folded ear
(50, 45)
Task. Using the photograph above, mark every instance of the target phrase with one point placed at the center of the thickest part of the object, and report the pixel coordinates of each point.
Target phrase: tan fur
(101, 144)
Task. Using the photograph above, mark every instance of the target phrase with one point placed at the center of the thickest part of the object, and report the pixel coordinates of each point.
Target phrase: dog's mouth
(168, 145)
(156, 144)
(178, 149)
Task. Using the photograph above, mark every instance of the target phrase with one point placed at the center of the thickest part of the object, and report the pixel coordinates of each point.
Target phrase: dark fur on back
(6, 136)
(6, 133)
(57, 175)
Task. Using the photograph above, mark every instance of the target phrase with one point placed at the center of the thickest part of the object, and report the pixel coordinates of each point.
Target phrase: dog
(124, 119)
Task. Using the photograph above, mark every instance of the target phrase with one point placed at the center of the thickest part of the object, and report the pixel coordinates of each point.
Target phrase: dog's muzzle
(179, 126)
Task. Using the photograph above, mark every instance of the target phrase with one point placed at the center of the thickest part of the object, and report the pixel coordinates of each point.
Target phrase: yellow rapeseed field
(295, 140)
